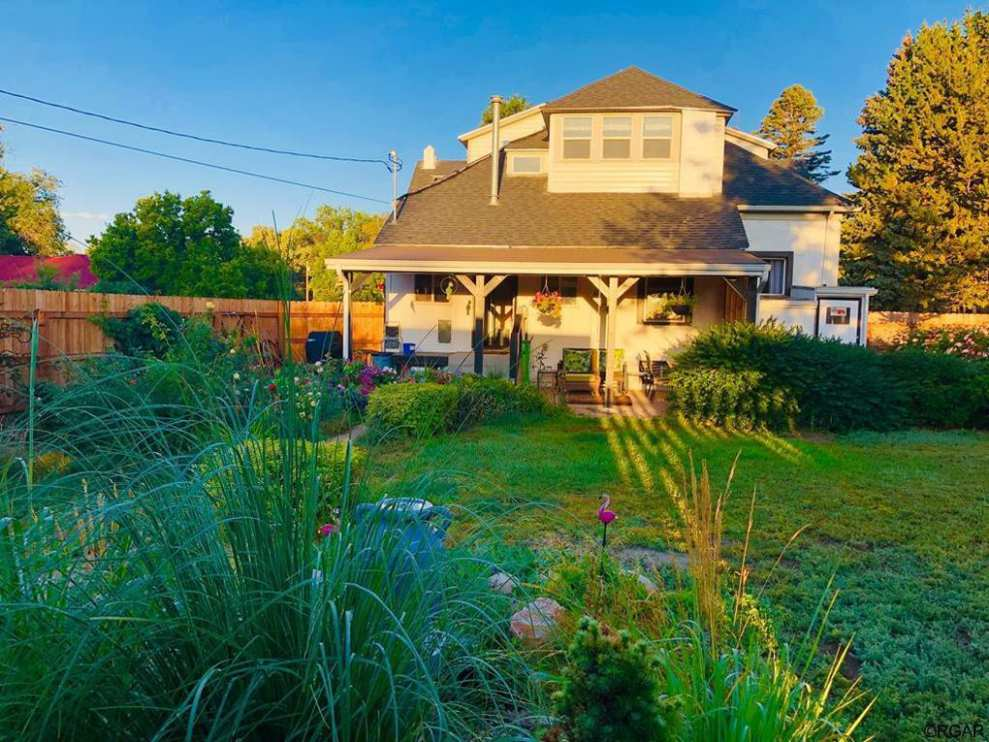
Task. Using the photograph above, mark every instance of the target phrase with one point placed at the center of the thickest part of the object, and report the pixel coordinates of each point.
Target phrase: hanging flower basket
(548, 303)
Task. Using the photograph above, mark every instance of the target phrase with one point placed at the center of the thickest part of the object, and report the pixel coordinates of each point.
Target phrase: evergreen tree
(791, 123)
(921, 234)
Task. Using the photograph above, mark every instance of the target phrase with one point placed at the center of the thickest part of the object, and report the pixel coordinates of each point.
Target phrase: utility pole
(393, 166)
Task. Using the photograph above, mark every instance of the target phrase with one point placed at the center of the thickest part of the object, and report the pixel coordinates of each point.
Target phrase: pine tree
(921, 232)
(791, 123)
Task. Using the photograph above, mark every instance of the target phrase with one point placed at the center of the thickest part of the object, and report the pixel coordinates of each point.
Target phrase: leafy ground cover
(897, 520)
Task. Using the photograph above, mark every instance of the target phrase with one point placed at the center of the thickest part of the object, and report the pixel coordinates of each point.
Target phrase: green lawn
(900, 521)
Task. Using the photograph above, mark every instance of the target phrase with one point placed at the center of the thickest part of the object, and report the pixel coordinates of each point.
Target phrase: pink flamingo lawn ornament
(605, 516)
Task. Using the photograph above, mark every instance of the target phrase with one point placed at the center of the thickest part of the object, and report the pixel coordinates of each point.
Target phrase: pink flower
(328, 529)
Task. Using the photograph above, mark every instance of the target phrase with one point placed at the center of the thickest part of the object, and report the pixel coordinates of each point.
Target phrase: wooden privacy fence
(67, 330)
(885, 327)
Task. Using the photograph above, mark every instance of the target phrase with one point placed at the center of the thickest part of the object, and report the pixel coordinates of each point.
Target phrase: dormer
(514, 127)
(633, 132)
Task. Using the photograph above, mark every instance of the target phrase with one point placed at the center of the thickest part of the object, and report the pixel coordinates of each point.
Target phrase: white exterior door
(840, 319)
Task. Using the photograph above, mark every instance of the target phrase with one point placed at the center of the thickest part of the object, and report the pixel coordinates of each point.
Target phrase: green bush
(939, 390)
(150, 329)
(418, 410)
(424, 409)
(611, 688)
(837, 386)
(737, 399)
(482, 399)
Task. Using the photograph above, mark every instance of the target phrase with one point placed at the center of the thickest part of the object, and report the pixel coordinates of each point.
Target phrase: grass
(898, 521)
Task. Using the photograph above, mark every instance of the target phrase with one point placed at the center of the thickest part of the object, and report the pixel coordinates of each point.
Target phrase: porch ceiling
(571, 260)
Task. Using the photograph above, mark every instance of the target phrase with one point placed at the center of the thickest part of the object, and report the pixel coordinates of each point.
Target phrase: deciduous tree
(513, 104)
(183, 247)
(29, 220)
(921, 235)
(792, 124)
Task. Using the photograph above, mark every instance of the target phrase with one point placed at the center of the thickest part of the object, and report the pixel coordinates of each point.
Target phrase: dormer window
(577, 137)
(657, 137)
(617, 137)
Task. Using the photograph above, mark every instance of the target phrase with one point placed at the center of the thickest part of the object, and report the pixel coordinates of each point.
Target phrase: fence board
(67, 330)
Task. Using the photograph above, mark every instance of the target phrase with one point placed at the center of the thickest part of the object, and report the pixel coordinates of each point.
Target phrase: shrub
(418, 410)
(482, 399)
(150, 329)
(736, 399)
(940, 390)
(428, 408)
(966, 342)
(836, 386)
(611, 688)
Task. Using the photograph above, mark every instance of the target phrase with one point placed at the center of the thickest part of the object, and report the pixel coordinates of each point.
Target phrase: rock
(502, 582)
(641, 556)
(648, 584)
(536, 621)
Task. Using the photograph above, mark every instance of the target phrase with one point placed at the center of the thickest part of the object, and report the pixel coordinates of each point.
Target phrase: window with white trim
(527, 165)
(577, 137)
(657, 137)
(617, 142)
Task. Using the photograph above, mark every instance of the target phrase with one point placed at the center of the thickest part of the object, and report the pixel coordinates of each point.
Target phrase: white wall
(790, 312)
(479, 144)
(702, 155)
(417, 319)
(814, 240)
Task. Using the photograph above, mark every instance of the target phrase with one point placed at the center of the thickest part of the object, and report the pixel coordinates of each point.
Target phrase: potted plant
(682, 304)
(548, 303)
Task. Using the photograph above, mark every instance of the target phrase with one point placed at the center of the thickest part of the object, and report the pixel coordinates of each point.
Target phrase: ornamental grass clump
(179, 580)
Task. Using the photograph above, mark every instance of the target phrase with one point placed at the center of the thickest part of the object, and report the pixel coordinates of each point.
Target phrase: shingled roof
(449, 206)
(635, 88)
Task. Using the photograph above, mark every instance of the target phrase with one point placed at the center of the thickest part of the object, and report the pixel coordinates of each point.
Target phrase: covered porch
(478, 308)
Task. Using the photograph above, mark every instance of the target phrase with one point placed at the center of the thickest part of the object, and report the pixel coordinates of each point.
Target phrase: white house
(635, 201)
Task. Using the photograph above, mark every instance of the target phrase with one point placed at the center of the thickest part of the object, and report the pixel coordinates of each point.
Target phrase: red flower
(272, 388)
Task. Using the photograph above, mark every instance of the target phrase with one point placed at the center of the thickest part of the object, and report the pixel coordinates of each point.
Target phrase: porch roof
(573, 260)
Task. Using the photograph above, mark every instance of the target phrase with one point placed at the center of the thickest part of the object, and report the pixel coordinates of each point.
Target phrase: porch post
(751, 298)
(346, 285)
(609, 355)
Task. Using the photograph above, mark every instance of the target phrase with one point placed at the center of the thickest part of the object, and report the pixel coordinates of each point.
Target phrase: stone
(537, 621)
(648, 584)
(502, 582)
(641, 556)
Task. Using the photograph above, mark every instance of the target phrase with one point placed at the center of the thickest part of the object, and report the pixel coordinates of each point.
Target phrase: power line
(387, 162)
(193, 162)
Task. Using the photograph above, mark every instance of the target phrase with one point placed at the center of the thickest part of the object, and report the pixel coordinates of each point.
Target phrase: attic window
(657, 137)
(617, 137)
(577, 137)
(526, 165)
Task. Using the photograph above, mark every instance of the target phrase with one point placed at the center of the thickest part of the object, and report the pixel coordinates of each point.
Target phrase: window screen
(526, 165)
(657, 137)
(617, 137)
(577, 137)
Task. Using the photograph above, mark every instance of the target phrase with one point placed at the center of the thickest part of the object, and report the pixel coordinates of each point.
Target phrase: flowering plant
(967, 342)
(549, 303)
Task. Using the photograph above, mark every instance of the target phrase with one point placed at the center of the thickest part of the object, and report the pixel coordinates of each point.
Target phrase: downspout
(495, 146)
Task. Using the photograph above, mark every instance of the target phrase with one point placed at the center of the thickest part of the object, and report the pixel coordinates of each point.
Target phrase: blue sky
(361, 79)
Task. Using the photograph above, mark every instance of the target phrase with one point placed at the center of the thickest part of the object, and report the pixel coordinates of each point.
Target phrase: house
(634, 201)
(71, 271)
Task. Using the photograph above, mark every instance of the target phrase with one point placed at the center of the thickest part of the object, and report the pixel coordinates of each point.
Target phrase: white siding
(479, 145)
(814, 241)
(598, 175)
(790, 312)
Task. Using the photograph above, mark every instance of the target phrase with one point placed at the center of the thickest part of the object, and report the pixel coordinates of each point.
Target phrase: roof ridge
(447, 176)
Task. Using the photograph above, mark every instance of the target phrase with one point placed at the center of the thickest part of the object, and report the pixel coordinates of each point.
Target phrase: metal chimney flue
(495, 146)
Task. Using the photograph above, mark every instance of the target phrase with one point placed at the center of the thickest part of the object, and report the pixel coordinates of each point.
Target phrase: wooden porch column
(479, 289)
(613, 292)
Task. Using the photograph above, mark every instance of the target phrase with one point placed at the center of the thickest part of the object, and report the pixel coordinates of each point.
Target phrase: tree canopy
(792, 124)
(184, 247)
(921, 234)
(30, 223)
(331, 231)
(513, 104)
